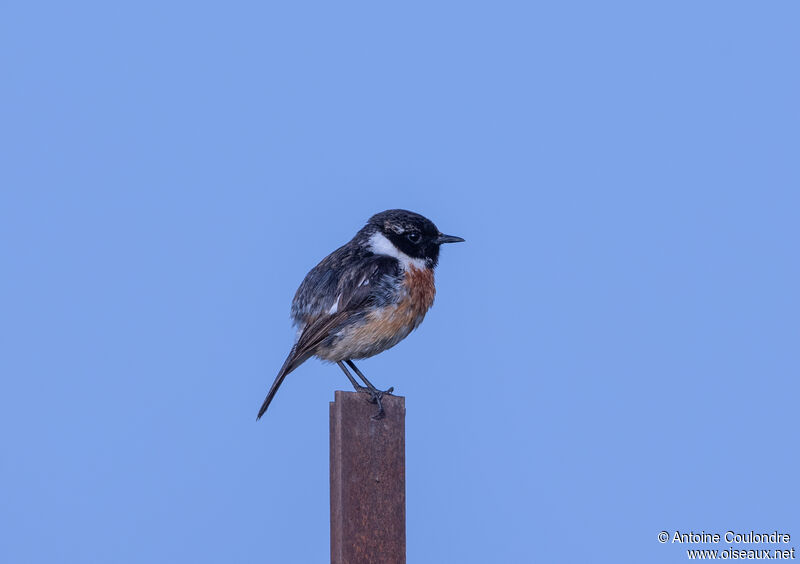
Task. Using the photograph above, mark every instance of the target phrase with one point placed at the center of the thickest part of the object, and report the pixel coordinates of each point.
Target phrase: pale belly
(378, 331)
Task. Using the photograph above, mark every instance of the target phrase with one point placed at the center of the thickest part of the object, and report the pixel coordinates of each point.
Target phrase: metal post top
(368, 490)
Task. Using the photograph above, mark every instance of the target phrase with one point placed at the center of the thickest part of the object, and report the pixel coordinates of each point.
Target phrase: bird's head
(401, 232)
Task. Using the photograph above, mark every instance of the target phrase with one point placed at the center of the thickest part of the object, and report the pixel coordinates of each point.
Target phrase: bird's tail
(290, 364)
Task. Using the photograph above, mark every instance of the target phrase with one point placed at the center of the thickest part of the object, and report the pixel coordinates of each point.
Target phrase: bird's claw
(376, 397)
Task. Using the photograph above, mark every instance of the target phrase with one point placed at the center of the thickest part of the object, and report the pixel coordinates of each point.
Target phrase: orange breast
(405, 316)
(421, 289)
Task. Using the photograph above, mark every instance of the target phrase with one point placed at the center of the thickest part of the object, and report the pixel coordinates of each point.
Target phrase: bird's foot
(377, 397)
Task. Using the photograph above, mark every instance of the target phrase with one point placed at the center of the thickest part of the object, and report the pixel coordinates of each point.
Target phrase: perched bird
(366, 296)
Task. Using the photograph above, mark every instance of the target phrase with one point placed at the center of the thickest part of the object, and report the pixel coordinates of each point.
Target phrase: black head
(412, 234)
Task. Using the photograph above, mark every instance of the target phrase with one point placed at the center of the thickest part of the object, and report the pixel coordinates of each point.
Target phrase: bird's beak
(448, 239)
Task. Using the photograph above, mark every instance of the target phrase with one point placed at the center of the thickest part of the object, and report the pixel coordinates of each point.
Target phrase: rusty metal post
(368, 481)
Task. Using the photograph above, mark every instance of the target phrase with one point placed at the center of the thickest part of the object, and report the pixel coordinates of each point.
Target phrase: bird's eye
(414, 237)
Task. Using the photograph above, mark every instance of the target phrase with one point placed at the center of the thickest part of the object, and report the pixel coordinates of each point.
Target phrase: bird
(365, 297)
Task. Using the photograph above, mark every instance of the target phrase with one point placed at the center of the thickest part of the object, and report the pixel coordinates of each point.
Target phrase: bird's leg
(356, 385)
(352, 365)
(377, 395)
(370, 389)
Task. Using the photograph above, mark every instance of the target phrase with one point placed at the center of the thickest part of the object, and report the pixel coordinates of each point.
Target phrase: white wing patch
(335, 306)
(380, 245)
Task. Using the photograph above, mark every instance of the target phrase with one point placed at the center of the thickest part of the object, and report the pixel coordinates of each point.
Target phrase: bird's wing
(318, 292)
(364, 283)
(340, 295)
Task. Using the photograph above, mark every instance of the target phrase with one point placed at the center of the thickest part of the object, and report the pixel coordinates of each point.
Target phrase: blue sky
(612, 353)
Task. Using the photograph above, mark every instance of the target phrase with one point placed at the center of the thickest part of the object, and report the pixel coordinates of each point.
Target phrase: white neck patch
(380, 245)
